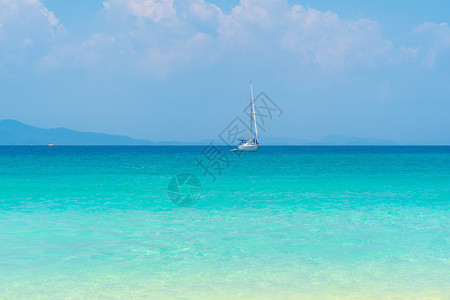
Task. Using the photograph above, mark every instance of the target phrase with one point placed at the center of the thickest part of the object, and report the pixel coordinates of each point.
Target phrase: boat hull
(248, 148)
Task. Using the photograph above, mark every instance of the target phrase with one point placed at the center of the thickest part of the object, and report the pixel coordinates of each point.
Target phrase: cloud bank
(160, 37)
(27, 30)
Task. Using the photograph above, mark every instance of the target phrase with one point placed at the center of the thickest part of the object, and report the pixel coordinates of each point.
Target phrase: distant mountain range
(329, 140)
(16, 133)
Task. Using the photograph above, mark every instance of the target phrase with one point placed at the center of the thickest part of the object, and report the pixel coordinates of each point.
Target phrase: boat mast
(253, 110)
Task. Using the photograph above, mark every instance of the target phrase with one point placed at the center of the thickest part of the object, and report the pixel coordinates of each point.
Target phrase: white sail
(254, 113)
(252, 144)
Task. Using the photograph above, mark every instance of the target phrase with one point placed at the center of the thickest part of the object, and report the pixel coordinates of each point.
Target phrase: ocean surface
(282, 223)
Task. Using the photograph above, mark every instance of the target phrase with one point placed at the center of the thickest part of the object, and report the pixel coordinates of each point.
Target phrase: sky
(179, 70)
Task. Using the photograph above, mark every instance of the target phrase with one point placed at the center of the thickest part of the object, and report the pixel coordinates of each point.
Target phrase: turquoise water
(286, 222)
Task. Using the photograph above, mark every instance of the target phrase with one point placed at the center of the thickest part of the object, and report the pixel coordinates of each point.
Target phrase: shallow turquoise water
(286, 222)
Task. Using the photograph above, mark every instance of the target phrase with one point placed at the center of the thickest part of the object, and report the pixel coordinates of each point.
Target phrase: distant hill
(16, 133)
(284, 141)
(336, 139)
(330, 140)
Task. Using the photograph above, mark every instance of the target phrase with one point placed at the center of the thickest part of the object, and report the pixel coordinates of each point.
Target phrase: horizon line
(205, 145)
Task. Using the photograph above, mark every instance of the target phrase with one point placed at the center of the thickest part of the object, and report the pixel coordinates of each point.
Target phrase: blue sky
(179, 70)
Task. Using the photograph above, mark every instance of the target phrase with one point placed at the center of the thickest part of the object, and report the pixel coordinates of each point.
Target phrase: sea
(202, 222)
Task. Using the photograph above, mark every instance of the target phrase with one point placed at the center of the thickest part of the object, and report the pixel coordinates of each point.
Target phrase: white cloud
(106, 5)
(25, 23)
(312, 36)
(204, 10)
(92, 49)
(409, 51)
(324, 39)
(89, 53)
(163, 36)
(26, 11)
(435, 40)
(155, 10)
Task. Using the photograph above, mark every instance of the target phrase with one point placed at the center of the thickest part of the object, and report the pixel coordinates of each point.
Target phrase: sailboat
(250, 145)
